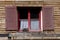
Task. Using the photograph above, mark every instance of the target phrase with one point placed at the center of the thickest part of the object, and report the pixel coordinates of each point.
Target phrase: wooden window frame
(29, 23)
(40, 22)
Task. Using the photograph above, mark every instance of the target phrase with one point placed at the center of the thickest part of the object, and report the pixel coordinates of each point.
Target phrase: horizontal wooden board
(55, 4)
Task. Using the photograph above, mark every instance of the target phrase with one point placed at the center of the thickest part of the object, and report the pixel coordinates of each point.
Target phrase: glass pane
(23, 24)
(34, 24)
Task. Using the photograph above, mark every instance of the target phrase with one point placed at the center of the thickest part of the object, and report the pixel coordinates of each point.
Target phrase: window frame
(29, 22)
(40, 22)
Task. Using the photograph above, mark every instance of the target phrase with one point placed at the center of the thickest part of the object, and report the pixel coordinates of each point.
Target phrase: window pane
(23, 24)
(23, 12)
(34, 15)
(34, 24)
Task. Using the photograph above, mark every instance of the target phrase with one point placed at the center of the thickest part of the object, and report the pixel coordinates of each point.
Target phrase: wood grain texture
(55, 4)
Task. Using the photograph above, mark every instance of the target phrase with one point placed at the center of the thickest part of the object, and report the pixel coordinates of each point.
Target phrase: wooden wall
(54, 3)
(56, 17)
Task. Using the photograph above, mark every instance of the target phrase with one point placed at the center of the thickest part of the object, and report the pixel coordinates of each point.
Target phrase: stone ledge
(34, 36)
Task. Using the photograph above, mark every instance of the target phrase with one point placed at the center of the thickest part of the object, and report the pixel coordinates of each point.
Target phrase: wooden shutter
(48, 18)
(11, 18)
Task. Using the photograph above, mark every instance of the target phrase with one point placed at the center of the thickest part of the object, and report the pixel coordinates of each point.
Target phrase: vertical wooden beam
(41, 21)
(29, 20)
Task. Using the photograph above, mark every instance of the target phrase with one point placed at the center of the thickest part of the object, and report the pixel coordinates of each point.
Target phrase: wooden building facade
(6, 4)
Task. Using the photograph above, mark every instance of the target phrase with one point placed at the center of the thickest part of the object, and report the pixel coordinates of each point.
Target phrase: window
(34, 18)
(24, 18)
(29, 18)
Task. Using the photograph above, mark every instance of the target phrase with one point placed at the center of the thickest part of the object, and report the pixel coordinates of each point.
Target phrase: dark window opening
(23, 12)
(23, 17)
(35, 12)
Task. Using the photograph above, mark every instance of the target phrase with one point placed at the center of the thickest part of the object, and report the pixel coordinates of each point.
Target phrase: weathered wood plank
(55, 4)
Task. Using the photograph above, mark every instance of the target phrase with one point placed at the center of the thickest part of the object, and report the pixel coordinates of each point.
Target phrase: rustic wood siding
(56, 14)
(54, 3)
